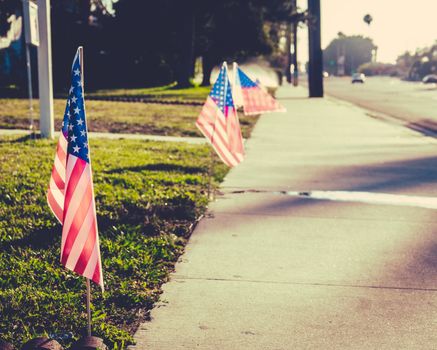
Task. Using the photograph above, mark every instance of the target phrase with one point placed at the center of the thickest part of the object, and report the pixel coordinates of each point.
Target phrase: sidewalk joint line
(373, 198)
(213, 213)
(180, 277)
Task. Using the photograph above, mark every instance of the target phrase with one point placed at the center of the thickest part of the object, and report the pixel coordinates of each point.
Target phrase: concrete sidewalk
(270, 271)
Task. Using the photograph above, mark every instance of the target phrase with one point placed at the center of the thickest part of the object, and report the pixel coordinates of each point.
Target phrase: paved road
(412, 103)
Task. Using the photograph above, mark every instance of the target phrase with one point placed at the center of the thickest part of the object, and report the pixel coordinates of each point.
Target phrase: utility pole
(315, 69)
(290, 52)
(45, 78)
(294, 58)
(295, 66)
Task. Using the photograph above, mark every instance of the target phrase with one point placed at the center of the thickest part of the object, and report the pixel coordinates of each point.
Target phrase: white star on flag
(76, 149)
(74, 99)
(77, 72)
(77, 110)
(79, 121)
(73, 138)
(71, 90)
(82, 133)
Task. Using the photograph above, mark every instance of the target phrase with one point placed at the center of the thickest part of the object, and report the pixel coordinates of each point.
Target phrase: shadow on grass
(21, 139)
(160, 167)
(38, 239)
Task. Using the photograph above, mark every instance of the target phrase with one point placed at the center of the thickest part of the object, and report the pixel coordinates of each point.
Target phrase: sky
(398, 25)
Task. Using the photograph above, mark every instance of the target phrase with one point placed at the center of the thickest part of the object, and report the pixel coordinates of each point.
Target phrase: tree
(78, 23)
(230, 30)
(235, 30)
(355, 50)
(174, 32)
(7, 8)
(378, 68)
(422, 62)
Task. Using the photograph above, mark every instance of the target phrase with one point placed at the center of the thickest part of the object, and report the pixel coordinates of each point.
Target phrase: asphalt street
(413, 103)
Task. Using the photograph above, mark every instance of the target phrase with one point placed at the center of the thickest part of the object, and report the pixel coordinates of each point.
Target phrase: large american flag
(255, 99)
(218, 121)
(71, 193)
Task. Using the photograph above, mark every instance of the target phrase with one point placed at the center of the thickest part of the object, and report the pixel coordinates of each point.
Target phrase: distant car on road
(430, 78)
(358, 78)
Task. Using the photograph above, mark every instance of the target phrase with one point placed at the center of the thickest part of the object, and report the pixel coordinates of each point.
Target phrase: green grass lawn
(167, 93)
(119, 117)
(148, 195)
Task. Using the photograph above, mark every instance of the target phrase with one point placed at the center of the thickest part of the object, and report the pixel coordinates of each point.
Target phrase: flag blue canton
(221, 91)
(245, 81)
(74, 123)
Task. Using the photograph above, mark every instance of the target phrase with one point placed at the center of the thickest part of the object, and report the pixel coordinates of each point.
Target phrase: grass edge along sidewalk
(148, 196)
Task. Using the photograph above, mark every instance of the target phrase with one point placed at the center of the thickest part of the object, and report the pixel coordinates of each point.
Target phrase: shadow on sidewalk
(418, 249)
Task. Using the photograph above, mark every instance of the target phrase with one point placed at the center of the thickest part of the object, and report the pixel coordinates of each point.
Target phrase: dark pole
(315, 69)
(289, 54)
(296, 68)
(294, 33)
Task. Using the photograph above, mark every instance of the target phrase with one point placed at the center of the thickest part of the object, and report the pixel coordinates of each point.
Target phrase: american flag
(71, 193)
(255, 99)
(218, 121)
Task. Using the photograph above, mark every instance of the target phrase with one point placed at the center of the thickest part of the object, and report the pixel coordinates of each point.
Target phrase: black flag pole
(210, 174)
(88, 304)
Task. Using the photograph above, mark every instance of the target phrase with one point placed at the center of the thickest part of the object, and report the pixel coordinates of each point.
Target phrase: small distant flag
(71, 194)
(254, 99)
(218, 121)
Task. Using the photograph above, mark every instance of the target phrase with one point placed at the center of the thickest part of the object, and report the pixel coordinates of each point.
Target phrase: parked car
(430, 78)
(358, 78)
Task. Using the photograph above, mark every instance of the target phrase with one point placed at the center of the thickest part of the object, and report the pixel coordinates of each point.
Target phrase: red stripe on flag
(96, 274)
(76, 224)
(61, 154)
(87, 250)
(57, 179)
(257, 101)
(216, 146)
(212, 137)
(73, 180)
(57, 210)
